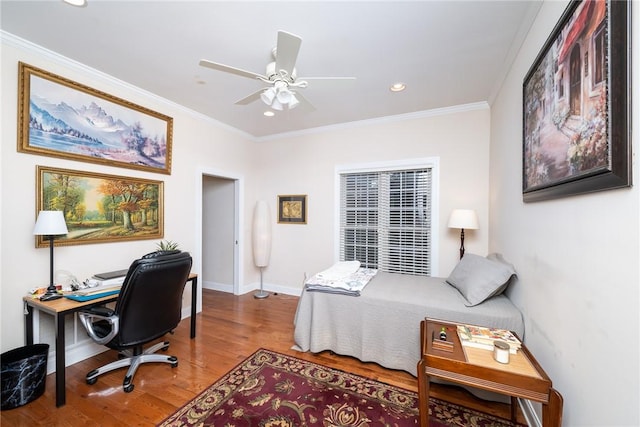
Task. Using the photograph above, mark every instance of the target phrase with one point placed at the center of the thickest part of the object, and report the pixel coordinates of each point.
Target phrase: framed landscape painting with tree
(101, 208)
(61, 118)
(577, 104)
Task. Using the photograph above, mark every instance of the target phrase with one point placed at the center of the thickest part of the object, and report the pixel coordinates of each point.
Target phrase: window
(386, 219)
(599, 56)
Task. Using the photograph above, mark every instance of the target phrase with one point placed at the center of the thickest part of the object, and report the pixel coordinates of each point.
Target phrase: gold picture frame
(292, 209)
(100, 208)
(58, 117)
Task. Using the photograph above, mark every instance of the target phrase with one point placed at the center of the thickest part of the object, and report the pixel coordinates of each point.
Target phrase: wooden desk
(521, 377)
(59, 308)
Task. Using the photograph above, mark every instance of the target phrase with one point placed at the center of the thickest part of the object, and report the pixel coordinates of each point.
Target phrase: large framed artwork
(577, 104)
(101, 208)
(61, 118)
(292, 209)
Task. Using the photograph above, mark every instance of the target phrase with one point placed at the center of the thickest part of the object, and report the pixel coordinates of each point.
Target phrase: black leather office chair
(149, 306)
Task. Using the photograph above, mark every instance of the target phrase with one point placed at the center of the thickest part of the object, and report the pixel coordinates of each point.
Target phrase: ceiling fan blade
(232, 70)
(327, 78)
(287, 51)
(251, 98)
(304, 102)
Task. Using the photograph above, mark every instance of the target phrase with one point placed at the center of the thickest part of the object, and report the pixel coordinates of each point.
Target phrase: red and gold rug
(270, 389)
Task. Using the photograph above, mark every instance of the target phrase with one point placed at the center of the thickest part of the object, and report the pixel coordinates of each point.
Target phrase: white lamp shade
(294, 101)
(50, 223)
(261, 234)
(268, 95)
(284, 96)
(276, 105)
(464, 218)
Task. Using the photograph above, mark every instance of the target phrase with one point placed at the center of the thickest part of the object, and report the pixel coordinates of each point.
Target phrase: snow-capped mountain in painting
(90, 130)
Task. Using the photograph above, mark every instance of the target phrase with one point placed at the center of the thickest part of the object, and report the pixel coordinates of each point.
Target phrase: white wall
(306, 165)
(198, 143)
(577, 260)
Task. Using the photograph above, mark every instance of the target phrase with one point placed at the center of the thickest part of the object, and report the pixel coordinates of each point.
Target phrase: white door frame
(238, 231)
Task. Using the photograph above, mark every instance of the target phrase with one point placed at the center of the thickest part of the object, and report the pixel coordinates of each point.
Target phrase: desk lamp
(50, 224)
(463, 218)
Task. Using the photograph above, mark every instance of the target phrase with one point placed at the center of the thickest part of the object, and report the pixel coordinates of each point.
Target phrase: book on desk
(107, 284)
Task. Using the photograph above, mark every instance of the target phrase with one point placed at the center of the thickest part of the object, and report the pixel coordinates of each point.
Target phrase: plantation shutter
(385, 220)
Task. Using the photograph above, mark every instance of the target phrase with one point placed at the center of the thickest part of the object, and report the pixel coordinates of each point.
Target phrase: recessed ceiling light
(269, 113)
(397, 87)
(78, 3)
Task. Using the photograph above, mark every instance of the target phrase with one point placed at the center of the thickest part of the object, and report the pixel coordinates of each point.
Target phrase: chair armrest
(100, 311)
(96, 314)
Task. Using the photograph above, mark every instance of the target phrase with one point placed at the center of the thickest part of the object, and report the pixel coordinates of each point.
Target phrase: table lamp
(50, 224)
(463, 218)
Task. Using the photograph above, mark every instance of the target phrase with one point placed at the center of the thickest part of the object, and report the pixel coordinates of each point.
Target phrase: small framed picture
(292, 209)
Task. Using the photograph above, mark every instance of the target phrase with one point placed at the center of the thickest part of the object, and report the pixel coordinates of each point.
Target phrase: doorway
(218, 232)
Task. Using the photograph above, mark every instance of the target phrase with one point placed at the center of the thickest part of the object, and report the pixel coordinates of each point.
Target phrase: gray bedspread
(382, 325)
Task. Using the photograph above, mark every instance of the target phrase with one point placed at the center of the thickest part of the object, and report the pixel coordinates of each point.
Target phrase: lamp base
(261, 294)
(50, 295)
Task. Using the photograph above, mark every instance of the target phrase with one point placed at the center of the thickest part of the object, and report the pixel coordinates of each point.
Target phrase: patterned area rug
(270, 389)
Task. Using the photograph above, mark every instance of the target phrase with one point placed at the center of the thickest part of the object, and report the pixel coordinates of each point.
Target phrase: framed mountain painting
(61, 118)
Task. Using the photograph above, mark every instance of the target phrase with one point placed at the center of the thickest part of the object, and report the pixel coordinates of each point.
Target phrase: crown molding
(25, 45)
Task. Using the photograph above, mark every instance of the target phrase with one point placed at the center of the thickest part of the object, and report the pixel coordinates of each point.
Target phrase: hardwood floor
(229, 329)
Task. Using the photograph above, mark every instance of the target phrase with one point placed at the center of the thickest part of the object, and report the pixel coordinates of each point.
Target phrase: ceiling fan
(280, 76)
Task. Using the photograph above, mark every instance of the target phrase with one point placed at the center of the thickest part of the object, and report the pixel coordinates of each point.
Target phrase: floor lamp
(50, 224)
(261, 241)
(463, 218)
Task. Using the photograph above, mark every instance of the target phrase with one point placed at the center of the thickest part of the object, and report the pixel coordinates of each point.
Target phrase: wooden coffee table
(522, 377)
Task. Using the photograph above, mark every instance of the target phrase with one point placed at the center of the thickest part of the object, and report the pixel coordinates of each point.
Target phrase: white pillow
(478, 278)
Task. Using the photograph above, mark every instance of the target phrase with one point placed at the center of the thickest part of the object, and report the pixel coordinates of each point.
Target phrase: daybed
(382, 325)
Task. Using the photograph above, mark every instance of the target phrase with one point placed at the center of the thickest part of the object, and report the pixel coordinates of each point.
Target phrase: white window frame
(432, 163)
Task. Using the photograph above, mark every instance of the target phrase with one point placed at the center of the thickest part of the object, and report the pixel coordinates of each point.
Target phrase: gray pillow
(478, 278)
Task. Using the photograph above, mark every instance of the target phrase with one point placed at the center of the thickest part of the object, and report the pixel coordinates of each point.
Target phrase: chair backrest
(150, 301)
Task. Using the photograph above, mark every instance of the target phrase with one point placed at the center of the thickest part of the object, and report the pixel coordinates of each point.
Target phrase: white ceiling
(448, 53)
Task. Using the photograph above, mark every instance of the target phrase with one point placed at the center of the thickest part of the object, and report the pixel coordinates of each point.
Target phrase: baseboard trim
(250, 287)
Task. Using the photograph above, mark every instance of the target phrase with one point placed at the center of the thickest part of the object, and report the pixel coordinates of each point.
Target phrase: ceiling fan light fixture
(284, 96)
(268, 96)
(276, 105)
(280, 77)
(293, 103)
(77, 3)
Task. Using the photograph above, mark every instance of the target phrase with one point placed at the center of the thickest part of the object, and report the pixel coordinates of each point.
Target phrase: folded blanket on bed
(341, 279)
(339, 270)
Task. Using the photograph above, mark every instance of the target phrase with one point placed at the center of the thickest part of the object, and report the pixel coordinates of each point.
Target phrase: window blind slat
(385, 220)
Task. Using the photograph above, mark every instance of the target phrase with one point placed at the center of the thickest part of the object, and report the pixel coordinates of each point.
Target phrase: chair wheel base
(92, 377)
(127, 385)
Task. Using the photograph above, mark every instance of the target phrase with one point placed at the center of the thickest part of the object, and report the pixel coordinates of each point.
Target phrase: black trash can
(24, 374)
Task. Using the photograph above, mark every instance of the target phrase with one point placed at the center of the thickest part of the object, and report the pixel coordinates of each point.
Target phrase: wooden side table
(521, 377)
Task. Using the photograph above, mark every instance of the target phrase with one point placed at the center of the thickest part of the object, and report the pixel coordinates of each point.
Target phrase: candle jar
(501, 351)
